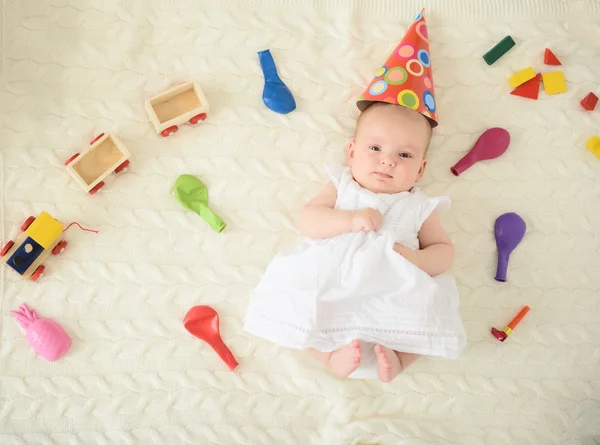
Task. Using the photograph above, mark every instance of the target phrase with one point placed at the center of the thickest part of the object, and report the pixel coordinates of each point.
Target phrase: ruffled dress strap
(428, 204)
(340, 176)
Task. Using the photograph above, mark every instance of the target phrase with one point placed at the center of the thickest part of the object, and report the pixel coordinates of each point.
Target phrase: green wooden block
(499, 50)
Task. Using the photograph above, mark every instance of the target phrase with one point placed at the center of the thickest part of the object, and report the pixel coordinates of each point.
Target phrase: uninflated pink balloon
(491, 144)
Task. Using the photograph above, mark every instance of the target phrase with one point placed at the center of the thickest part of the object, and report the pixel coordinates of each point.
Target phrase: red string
(87, 230)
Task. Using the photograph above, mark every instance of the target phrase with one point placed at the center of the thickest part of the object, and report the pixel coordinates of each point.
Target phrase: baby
(373, 243)
(369, 272)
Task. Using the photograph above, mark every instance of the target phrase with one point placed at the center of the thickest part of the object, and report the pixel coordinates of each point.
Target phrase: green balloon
(192, 193)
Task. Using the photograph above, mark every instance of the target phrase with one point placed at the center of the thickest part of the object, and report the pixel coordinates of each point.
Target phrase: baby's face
(387, 155)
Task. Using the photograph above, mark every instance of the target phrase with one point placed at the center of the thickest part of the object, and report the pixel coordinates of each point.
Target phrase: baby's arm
(319, 219)
(437, 251)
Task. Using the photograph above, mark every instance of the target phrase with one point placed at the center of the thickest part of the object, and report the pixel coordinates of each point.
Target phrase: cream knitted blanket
(71, 69)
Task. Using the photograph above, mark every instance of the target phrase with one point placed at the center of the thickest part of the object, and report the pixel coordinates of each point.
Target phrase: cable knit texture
(72, 69)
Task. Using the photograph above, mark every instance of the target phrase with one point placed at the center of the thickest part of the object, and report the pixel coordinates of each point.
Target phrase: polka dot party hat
(405, 79)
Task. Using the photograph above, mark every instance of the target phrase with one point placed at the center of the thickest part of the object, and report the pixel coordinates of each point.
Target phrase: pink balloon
(491, 144)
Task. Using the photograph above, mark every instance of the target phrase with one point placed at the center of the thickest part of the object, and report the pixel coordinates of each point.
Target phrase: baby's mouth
(384, 175)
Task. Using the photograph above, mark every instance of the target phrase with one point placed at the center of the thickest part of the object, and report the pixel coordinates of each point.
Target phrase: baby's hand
(408, 253)
(366, 220)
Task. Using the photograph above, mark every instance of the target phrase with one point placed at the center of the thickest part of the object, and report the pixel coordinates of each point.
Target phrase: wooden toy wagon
(40, 237)
(105, 156)
(182, 103)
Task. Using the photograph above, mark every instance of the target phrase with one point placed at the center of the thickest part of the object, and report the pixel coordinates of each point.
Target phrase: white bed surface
(72, 69)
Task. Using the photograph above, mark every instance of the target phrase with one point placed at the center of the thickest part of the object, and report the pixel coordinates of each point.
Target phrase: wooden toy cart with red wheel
(40, 237)
(182, 103)
(106, 155)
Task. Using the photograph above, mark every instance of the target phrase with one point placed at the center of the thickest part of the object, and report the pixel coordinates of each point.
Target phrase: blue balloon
(276, 95)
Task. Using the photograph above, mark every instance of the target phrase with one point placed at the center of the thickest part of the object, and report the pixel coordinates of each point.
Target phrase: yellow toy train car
(40, 236)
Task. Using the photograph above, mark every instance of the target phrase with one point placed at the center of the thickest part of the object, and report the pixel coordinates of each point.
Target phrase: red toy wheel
(68, 161)
(96, 138)
(124, 166)
(60, 248)
(38, 273)
(6, 248)
(168, 131)
(197, 118)
(96, 188)
(27, 223)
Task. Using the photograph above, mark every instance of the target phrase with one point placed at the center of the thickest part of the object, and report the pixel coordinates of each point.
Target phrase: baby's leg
(390, 363)
(341, 362)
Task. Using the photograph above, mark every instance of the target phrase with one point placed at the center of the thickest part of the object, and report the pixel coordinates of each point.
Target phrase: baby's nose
(387, 160)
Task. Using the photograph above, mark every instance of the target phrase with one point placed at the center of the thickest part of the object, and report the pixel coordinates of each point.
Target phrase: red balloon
(203, 322)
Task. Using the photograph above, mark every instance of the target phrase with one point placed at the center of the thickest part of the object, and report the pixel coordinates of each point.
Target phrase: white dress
(355, 286)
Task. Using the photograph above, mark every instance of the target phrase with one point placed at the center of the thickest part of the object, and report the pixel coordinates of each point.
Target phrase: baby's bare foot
(345, 360)
(388, 363)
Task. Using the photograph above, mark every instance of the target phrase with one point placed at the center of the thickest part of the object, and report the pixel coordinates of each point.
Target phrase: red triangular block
(550, 58)
(529, 89)
(589, 102)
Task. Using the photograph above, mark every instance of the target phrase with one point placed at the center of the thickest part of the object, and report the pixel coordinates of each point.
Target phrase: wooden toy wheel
(96, 138)
(60, 248)
(96, 188)
(123, 167)
(6, 248)
(27, 223)
(38, 273)
(68, 161)
(198, 118)
(168, 131)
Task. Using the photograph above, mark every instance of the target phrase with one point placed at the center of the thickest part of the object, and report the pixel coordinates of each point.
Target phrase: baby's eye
(405, 155)
(374, 148)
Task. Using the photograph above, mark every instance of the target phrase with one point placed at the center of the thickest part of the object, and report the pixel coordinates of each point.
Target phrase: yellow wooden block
(554, 82)
(45, 230)
(521, 77)
(593, 144)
